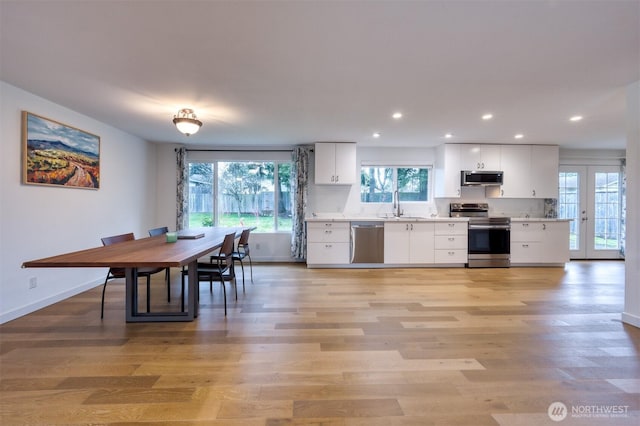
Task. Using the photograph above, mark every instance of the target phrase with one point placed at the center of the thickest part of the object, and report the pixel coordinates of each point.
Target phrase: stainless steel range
(489, 237)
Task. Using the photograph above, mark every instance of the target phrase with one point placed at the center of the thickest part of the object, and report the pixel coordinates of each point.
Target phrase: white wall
(40, 221)
(631, 314)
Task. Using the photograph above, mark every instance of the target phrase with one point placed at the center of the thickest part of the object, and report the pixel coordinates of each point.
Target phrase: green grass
(262, 223)
(600, 243)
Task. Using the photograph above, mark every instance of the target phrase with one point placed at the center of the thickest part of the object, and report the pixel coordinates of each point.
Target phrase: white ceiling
(290, 72)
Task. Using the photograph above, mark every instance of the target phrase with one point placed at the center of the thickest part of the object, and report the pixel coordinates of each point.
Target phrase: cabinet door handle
(337, 178)
(502, 192)
(544, 226)
(327, 231)
(406, 227)
(412, 226)
(451, 253)
(525, 245)
(451, 239)
(451, 225)
(534, 192)
(327, 245)
(333, 178)
(477, 165)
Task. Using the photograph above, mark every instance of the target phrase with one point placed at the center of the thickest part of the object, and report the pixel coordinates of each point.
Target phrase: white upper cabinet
(516, 163)
(480, 157)
(335, 163)
(530, 171)
(447, 171)
(544, 171)
(451, 159)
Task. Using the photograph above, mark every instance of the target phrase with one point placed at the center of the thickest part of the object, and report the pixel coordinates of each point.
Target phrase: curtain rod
(237, 150)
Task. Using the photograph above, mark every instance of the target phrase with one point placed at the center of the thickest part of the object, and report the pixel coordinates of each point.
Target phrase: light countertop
(410, 218)
(538, 219)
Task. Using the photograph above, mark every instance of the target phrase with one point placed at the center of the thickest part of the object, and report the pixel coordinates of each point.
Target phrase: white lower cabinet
(328, 243)
(408, 242)
(451, 242)
(539, 242)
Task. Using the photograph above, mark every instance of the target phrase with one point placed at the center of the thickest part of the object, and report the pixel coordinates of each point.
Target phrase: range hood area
(481, 178)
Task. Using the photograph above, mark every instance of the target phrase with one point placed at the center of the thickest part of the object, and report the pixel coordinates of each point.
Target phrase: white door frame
(584, 225)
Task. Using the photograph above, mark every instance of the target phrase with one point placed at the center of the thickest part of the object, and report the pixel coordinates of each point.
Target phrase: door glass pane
(568, 207)
(607, 211)
(200, 195)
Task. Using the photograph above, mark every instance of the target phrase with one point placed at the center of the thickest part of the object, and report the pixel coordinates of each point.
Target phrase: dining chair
(154, 233)
(219, 268)
(242, 251)
(120, 272)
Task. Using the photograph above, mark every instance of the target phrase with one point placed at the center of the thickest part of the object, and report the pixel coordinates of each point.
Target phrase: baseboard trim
(43, 303)
(631, 319)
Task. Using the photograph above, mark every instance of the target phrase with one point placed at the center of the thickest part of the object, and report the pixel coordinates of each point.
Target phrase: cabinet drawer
(451, 228)
(328, 236)
(451, 256)
(322, 232)
(526, 231)
(328, 253)
(443, 242)
(328, 225)
(525, 252)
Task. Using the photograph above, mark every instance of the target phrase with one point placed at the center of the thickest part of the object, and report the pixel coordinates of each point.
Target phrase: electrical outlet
(33, 283)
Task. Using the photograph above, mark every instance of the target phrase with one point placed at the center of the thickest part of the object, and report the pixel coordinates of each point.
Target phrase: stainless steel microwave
(480, 178)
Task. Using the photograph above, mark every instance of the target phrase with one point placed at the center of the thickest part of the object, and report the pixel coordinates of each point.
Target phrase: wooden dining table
(148, 252)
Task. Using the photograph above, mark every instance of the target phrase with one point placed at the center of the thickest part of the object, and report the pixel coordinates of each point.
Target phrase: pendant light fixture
(187, 122)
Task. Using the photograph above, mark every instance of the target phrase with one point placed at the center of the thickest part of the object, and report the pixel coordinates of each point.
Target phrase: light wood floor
(336, 347)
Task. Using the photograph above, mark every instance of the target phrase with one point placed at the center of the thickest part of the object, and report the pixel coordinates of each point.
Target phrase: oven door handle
(506, 227)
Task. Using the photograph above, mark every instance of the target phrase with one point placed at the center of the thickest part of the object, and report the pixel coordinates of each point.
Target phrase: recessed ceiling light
(448, 135)
(576, 118)
(397, 115)
(487, 116)
(518, 136)
(376, 135)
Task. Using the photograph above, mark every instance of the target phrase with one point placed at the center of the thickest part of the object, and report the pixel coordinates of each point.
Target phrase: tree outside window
(377, 184)
(246, 194)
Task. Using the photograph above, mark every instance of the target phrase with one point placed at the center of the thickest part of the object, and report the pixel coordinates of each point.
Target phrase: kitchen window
(377, 183)
(240, 193)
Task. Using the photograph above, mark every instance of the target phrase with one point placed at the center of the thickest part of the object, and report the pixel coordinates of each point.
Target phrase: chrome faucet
(396, 204)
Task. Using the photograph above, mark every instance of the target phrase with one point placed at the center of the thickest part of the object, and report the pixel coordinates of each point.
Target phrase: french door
(591, 197)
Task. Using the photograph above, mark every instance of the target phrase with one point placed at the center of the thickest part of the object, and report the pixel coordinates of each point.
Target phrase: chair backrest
(107, 241)
(227, 244)
(244, 237)
(158, 231)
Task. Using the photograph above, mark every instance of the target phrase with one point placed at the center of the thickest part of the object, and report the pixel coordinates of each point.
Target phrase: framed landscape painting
(57, 154)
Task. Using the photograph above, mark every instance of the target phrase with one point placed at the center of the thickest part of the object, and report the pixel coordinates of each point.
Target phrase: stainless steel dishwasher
(367, 242)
